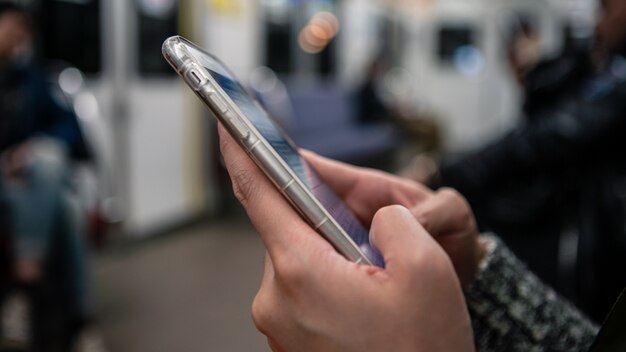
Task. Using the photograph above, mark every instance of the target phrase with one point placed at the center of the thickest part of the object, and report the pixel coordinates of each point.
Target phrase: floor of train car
(187, 291)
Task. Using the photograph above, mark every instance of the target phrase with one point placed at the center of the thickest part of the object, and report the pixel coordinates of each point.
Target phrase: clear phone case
(295, 179)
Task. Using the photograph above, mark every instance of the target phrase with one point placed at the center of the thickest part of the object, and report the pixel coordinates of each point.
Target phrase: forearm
(574, 134)
(512, 310)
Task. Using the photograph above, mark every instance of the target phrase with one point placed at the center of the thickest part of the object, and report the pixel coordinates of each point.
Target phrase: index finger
(444, 213)
(281, 228)
(364, 190)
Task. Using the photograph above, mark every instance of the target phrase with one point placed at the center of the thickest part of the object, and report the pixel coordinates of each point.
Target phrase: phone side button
(240, 129)
(219, 102)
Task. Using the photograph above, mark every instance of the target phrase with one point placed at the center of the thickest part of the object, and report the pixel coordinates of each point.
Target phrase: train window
(70, 31)
(451, 38)
(458, 49)
(278, 47)
(157, 20)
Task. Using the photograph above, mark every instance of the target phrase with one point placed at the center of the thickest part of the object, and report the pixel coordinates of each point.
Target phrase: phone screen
(285, 149)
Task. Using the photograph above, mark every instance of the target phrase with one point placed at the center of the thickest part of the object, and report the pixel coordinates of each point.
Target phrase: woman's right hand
(445, 214)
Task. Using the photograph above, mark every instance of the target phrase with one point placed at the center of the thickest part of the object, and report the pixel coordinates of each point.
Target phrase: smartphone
(274, 153)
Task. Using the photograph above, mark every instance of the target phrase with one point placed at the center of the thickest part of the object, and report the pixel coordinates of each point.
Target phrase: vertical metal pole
(116, 75)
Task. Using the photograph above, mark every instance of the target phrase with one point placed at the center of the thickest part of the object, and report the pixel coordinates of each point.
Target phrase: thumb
(401, 240)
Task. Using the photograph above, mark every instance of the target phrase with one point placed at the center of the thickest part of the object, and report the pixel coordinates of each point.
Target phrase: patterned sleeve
(512, 310)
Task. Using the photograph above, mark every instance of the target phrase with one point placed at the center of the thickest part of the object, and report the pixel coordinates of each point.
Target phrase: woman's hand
(445, 214)
(312, 299)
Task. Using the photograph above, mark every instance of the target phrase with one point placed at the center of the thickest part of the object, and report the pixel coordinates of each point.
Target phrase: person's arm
(512, 310)
(573, 134)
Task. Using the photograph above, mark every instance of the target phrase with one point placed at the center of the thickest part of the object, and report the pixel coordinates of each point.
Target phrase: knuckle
(422, 216)
(450, 194)
(266, 314)
(456, 199)
(261, 312)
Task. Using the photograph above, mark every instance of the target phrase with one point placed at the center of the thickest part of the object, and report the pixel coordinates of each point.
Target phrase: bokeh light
(319, 32)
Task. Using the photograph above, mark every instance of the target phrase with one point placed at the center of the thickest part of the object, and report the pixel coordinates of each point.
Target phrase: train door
(455, 52)
(156, 138)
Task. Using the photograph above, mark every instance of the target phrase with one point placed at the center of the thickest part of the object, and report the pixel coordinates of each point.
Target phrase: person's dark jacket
(28, 109)
(582, 126)
(565, 165)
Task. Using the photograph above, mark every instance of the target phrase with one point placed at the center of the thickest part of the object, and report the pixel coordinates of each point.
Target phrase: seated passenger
(38, 138)
(563, 169)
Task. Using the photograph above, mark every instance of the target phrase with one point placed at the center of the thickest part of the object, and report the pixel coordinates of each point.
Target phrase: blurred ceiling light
(275, 3)
(318, 33)
(276, 11)
(156, 8)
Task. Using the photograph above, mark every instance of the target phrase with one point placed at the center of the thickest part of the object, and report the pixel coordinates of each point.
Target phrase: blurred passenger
(545, 81)
(563, 170)
(373, 107)
(38, 138)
